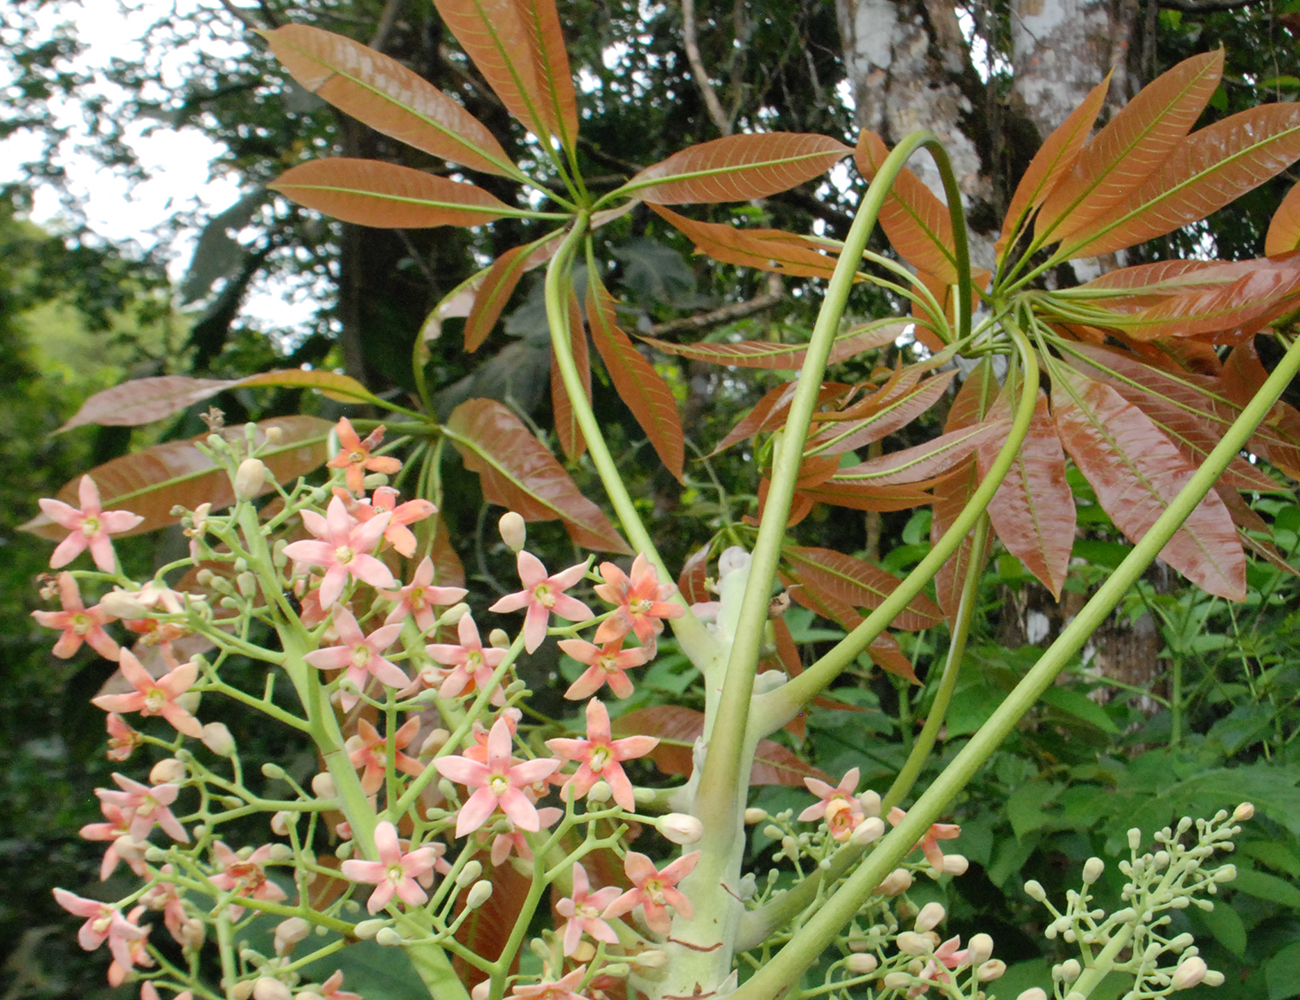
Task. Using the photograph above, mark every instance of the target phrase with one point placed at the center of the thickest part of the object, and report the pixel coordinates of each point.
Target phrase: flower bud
(1134, 839)
(897, 981)
(754, 815)
(216, 737)
(619, 970)
(1213, 978)
(481, 991)
(868, 831)
(121, 604)
(169, 770)
(680, 828)
(1242, 813)
(585, 951)
(1092, 870)
(273, 771)
(288, 933)
(991, 970)
(861, 965)
(453, 614)
(193, 934)
(242, 991)
(600, 793)
(1035, 891)
(1068, 971)
(322, 785)
(1225, 874)
(1033, 993)
(367, 929)
(469, 874)
(1190, 972)
(280, 823)
(955, 864)
(281, 853)
(267, 988)
(979, 948)
(434, 742)
(930, 917)
(870, 802)
(896, 882)
(479, 893)
(249, 480)
(247, 584)
(388, 937)
(513, 530)
(912, 943)
(498, 638)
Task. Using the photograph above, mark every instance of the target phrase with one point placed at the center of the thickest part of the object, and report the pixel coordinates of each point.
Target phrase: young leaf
(1050, 164)
(152, 481)
(764, 249)
(551, 64)
(492, 295)
(924, 461)
(639, 386)
(566, 423)
(737, 168)
(784, 357)
(917, 223)
(1033, 510)
(1277, 438)
(382, 93)
(770, 411)
(1284, 230)
(693, 576)
(884, 416)
(857, 584)
(950, 499)
(865, 496)
(518, 473)
(1136, 471)
(1204, 172)
(1129, 149)
(386, 195)
(497, 36)
(887, 654)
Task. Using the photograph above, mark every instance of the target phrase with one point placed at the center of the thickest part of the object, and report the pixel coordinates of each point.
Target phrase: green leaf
(1225, 924)
(1080, 706)
(1276, 855)
(1282, 973)
(1267, 887)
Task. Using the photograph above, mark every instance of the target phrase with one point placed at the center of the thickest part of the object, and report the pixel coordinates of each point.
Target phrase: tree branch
(703, 321)
(386, 21)
(698, 71)
(1204, 6)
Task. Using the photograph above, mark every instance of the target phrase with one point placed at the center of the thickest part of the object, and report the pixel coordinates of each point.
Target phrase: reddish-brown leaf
(448, 571)
(1129, 149)
(386, 195)
(925, 461)
(1277, 438)
(915, 220)
(764, 249)
(566, 421)
(504, 46)
(1205, 171)
(639, 386)
(886, 653)
(493, 294)
(694, 573)
(864, 496)
(1052, 161)
(770, 411)
(950, 499)
(857, 584)
(518, 473)
(1284, 230)
(897, 411)
(486, 930)
(738, 168)
(1136, 471)
(784, 357)
(550, 58)
(152, 481)
(1033, 510)
(678, 728)
(382, 93)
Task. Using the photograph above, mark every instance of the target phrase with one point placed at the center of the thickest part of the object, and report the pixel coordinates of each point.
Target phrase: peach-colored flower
(583, 912)
(244, 876)
(498, 783)
(368, 751)
(394, 872)
(354, 455)
(607, 663)
(641, 603)
(122, 739)
(929, 843)
(79, 623)
(419, 597)
(342, 548)
(472, 665)
(103, 923)
(361, 654)
(601, 756)
(541, 595)
(146, 805)
(655, 890)
(155, 697)
(90, 527)
(560, 989)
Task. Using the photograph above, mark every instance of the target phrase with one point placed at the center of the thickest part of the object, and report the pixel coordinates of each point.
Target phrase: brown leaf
(856, 583)
(492, 295)
(737, 168)
(386, 195)
(887, 654)
(694, 573)
(1284, 229)
(770, 411)
(764, 249)
(883, 416)
(550, 58)
(925, 461)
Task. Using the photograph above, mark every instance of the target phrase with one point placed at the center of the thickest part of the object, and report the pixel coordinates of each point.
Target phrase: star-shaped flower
(79, 623)
(655, 890)
(473, 665)
(146, 805)
(601, 756)
(354, 455)
(394, 873)
(117, 828)
(641, 603)
(419, 597)
(560, 989)
(541, 595)
(368, 751)
(343, 549)
(583, 912)
(103, 923)
(499, 783)
(361, 654)
(244, 876)
(929, 843)
(607, 663)
(155, 697)
(90, 527)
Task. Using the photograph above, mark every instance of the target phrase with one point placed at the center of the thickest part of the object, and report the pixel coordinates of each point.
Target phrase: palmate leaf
(387, 195)
(550, 57)
(639, 386)
(1136, 471)
(1033, 511)
(152, 481)
(382, 93)
(1129, 149)
(1205, 171)
(1284, 229)
(856, 583)
(784, 357)
(737, 168)
(518, 473)
(566, 421)
(502, 38)
(763, 249)
(1052, 161)
(917, 223)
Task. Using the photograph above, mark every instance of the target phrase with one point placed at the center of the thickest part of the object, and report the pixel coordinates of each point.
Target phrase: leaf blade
(857, 583)
(783, 357)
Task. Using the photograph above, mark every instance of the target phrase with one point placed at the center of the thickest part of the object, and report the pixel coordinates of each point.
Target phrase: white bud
(169, 770)
(479, 893)
(513, 530)
(1035, 891)
(897, 881)
(1213, 978)
(867, 832)
(249, 480)
(323, 785)
(870, 802)
(1242, 813)
(216, 737)
(367, 929)
(861, 965)
(267, 988)
(280, 823)
(453, 614)
(680, 828)
(754, 815)
(121, 604)
(242, 991)
(498, 638)
(289, 932)
(600, 793)
(930, 917)
(897, 981)
(652, 959)
(469, 873)
(247, 584)
(434, 742)
(481, 991)
(979, 948)
(281, 853)
(1190, 972)
(912, 943)
(1134, 839)
(773, 831)
(388, 937)
(1225, 874)
(1092, 870)
(1033, 993)
(273, 771)
(1070, 970)
(955, 864)
(991, 970)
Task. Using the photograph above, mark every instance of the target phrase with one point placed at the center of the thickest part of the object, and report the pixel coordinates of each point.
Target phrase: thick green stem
(786, 967)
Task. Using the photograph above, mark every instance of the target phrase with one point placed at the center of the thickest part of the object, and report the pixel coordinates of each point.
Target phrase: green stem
(785, 968)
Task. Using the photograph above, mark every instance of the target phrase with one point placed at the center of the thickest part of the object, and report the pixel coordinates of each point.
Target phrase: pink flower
(369, 750)
(394, 872)
(607, 663)
(541, 595)
(838, 805)
(122, 739)
(244, 876)
(155, 697)
(583, 910)
(343, 549)
(560, 989)
(330, 989)
(399, 536)
(103, 923)
(137, 952)
(79, 623)
(512, 841)
(473, 664)
(163, 896)
(601, 756)
(354, 456)
(117, 828)
(946, 956)
(146, 805)
(655, 890)
(90, 527)
(929, 842)
(361, 654)
(418, 598)
(499, 783)
(641, 602)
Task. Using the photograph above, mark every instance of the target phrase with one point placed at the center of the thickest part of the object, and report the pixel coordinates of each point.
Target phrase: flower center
(90, 527)
(102, 923)
(395, 873)
(343, 555)
(654, 890)
(498, 785)
(640, 607)
(598, 759)
(356, 457)
(154, 699)
(542, 592)
(81, 623)
(360, 657)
